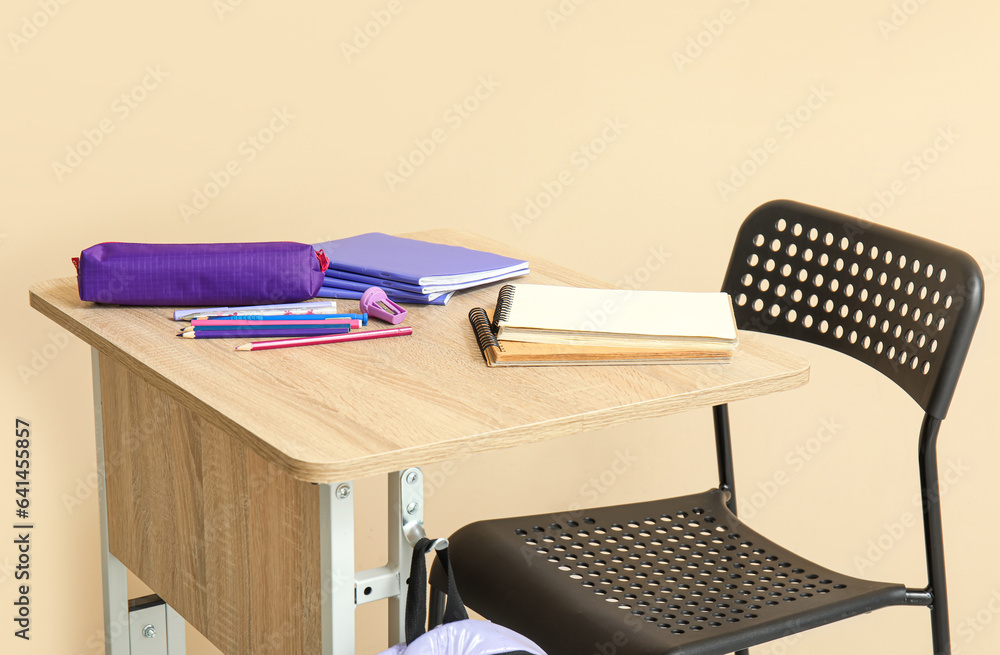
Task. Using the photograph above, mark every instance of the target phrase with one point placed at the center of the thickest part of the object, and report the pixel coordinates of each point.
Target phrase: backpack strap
(454, 609)
(416, 593)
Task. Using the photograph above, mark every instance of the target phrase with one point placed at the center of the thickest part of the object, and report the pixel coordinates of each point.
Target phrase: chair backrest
(904, 305)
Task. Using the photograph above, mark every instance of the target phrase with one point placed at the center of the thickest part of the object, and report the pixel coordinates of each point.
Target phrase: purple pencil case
(200, 274)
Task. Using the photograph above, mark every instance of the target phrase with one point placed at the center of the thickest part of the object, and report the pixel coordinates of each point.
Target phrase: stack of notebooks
(539, 325)
(410, 271)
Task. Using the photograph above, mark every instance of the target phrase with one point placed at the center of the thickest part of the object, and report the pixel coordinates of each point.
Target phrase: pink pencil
(336, 338)
(354, 323)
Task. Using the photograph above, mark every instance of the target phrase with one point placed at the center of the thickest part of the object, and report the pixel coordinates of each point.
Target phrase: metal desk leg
(406, 510)
(113, 573)
(176, 644)
(343, 588)
(336, 530)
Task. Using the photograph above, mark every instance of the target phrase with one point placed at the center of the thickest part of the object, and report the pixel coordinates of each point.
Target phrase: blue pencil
(255, 333)
(267, 326)
(250, 317)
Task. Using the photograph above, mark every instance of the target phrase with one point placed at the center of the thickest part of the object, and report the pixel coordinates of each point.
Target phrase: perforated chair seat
(681, 576)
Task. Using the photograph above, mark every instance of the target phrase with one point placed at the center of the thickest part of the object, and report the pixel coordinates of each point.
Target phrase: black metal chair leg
(435, 615)
(933, 536)
(940, 632)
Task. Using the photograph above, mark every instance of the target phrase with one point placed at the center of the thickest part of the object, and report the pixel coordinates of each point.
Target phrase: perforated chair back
(904, 305)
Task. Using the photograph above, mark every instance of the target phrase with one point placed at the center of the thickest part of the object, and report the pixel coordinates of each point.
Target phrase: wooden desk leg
(336, 530)
(114, 575)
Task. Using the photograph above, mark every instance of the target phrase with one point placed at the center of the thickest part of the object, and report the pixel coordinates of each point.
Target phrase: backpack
(458, 635)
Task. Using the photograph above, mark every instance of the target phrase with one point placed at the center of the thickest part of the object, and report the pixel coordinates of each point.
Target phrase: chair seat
(681, 576)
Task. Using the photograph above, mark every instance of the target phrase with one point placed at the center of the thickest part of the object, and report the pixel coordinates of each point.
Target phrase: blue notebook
(368, 281)
(349, 285)
(419, 263)
(400, 297)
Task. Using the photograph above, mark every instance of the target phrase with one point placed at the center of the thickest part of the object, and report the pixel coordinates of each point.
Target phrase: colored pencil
(294, 317)
(312, 341)
(251, 330)
(228, 325)
(311, 307)
(258, 333)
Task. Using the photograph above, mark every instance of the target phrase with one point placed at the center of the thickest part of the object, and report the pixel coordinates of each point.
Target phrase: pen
(287, 308)
(311, 341)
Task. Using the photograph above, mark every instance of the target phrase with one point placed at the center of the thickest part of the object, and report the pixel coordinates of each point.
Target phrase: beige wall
(874, 84)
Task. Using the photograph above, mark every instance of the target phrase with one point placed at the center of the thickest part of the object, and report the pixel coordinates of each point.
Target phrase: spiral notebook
(539, 313)
(522, 353)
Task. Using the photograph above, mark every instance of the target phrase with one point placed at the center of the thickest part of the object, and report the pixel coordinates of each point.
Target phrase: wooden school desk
(226, 482)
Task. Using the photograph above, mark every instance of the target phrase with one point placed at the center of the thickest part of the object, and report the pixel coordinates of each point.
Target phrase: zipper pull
(324, 261)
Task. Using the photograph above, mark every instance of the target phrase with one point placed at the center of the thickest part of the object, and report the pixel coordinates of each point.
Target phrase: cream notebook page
(675, 314)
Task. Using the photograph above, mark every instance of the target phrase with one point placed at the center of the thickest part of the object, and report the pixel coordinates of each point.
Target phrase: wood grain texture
(224, 537)
(336, 412)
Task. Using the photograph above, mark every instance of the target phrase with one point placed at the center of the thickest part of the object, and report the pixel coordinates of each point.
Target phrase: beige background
(875, 83)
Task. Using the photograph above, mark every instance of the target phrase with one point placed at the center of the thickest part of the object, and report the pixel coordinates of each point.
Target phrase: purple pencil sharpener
(377, 304)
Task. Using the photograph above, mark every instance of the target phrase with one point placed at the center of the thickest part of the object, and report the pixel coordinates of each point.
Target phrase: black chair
(684, 576)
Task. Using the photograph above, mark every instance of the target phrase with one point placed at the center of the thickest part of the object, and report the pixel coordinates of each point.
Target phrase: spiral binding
(481, 325)
(504, 301)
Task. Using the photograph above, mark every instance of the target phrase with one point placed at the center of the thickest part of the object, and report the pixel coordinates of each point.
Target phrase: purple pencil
(254, 333)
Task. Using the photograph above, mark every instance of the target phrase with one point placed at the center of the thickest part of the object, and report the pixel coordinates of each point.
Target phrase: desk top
(344, 411)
